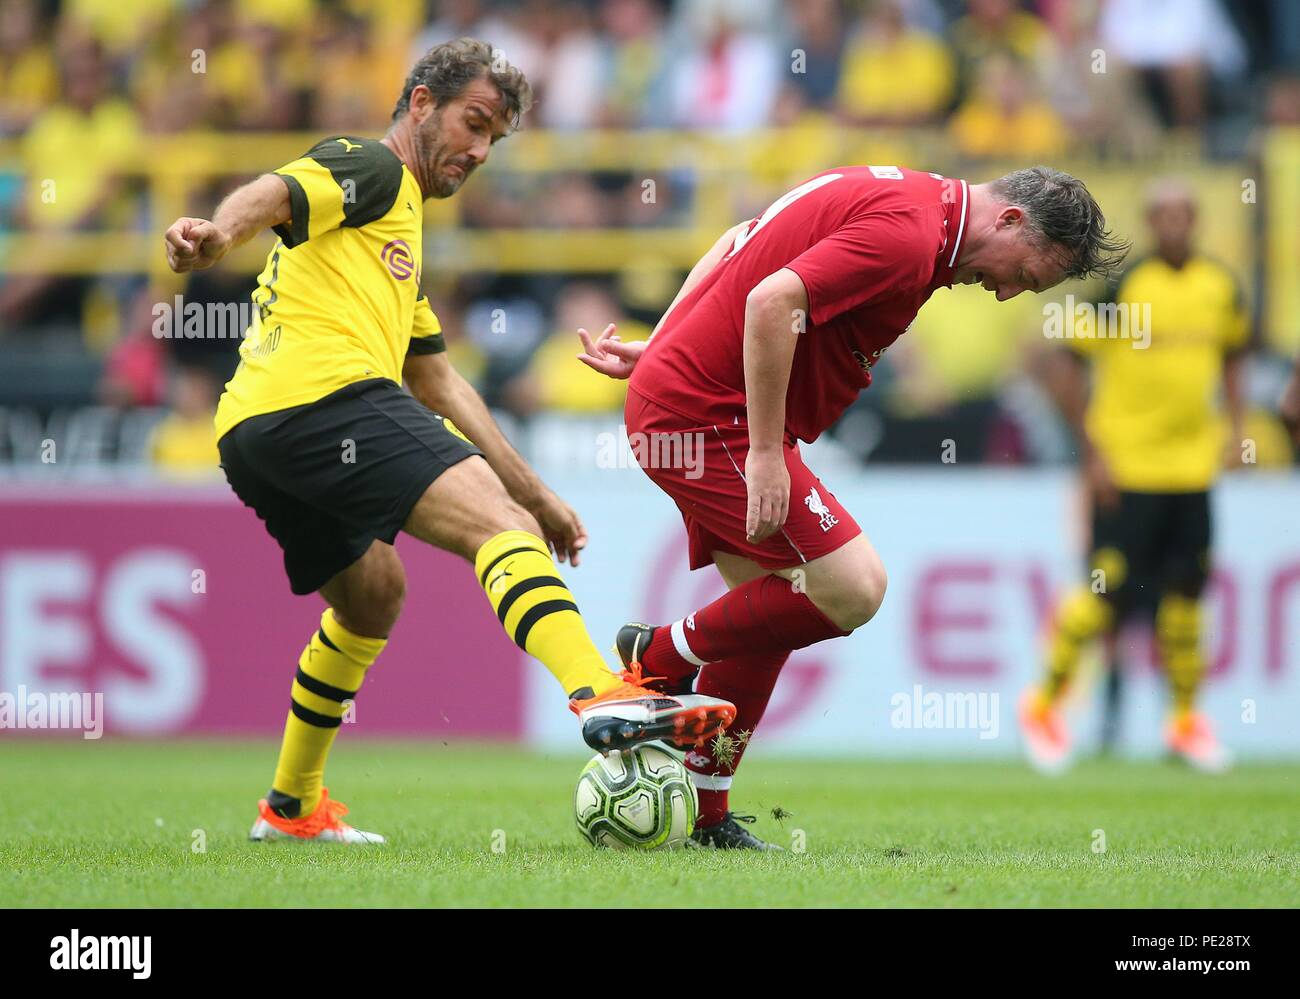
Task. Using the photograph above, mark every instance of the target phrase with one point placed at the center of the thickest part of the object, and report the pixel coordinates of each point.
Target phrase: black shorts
(1152, 544)
(330, 477)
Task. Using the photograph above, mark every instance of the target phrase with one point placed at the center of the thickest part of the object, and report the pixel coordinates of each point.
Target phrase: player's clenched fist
(194, 244)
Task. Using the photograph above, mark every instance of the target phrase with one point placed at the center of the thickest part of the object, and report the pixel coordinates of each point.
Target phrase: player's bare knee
(373, 608)
(504, 514)
(874, 585)
(388, 594)
(495, 510)
(507, 515)
(856, 602)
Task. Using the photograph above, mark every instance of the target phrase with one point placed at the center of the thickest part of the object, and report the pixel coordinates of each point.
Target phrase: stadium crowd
(86, 83)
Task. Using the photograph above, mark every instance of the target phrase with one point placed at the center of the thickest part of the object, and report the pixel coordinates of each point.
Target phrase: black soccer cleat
(729, 834)
(631, 642)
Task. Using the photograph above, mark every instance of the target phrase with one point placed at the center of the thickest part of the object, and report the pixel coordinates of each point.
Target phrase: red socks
(742, 640)
(747, 682)
(765, 615)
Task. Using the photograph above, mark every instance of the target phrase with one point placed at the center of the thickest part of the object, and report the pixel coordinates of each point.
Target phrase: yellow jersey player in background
(318, 437)
(1152, 440)
(1289, 404)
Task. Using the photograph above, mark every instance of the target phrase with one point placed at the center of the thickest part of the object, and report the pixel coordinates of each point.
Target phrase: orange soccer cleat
(630, 714)
(1190, 736)
(324, 825)
(1047, 739)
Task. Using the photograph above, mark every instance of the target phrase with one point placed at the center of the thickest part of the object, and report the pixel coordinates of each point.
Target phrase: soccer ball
(641, 799)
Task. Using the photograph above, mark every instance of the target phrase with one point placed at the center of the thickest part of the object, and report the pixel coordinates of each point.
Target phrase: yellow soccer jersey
(339, 299)
(1154, 413)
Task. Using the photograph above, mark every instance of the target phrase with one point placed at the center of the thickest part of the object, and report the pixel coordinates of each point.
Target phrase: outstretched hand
(608, 354)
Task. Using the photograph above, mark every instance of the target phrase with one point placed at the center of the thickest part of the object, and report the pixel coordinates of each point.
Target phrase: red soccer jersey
(870, 243)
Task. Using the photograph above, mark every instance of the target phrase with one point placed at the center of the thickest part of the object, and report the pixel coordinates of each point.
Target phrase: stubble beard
(429, 152)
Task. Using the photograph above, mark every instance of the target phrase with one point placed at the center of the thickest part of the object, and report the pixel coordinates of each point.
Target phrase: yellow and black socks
(1080, 617)
(330, 672)
(536, 609)
(1178, 634)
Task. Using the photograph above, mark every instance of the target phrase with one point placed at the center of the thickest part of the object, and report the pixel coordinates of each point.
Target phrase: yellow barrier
(174, 167)
(733, 177)
(1280, 198)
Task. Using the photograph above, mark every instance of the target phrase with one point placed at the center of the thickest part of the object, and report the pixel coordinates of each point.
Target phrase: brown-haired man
(318, 437)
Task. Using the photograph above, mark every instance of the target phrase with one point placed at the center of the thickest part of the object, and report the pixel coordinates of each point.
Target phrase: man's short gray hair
(1060, 211)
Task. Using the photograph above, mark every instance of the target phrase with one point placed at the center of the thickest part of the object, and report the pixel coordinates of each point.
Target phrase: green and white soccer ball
(641, 799)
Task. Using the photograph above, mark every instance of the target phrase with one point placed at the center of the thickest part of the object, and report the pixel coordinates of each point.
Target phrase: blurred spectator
(169, 82)
(355, 87)
(646, 283)
(892, 73)
(573, 201)
(74, 156)
(1004, 119)
(29, 80)
(215, 292)
(570, 92)
(558, 382)
(769, 86)
(1099, 100)
(262, 74)
(804, 139)
(118, 25)
(1282, 103)
(184, 444)
(76, 148)
(1176, 44)
(636, 84)
(477, 19)
(962, 346)
(1284, 38)
(505, 327)
(1289, 406)
(818, 33)
(283, 15)
(135, 371)
(996, 28)
(726, 73)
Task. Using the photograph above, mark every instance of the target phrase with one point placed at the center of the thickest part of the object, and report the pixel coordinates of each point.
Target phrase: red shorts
(702, 469)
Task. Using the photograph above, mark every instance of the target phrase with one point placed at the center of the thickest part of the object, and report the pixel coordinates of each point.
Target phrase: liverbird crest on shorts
(822, 511)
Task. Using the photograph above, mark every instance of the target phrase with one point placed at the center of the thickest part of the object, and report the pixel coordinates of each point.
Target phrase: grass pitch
(121, 823)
